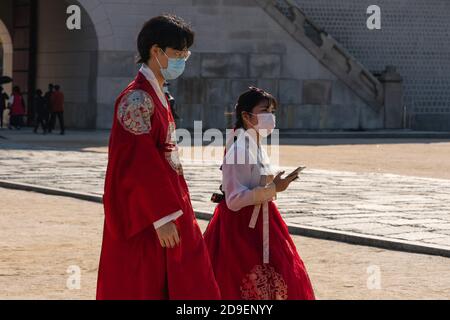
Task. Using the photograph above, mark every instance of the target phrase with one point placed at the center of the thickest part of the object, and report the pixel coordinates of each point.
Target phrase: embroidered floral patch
(135, 111)
(263, 283)
(172, 153)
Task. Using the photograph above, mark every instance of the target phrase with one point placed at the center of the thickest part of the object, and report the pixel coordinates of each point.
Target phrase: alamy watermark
(210, 146)
(73, 21)
(374, 277)
(74, 279)
(374, 20)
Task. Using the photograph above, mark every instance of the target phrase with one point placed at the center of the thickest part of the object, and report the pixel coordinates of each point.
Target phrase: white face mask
(266, 124)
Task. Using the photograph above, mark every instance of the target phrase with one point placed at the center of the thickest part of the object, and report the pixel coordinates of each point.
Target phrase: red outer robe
(144, 183)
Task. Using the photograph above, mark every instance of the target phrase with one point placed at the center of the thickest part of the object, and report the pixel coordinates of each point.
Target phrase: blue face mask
(175, 67)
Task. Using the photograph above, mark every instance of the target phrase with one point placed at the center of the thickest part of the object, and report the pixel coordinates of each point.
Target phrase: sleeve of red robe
(138, 188)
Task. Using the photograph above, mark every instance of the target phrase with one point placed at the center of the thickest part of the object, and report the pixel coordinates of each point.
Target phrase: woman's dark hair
(250, 99)
(166, 31)
(16, 89)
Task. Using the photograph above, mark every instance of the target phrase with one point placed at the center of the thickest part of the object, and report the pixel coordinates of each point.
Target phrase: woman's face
(251, 119)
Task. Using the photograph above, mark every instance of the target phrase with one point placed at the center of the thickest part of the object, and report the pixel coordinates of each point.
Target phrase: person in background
(3, 98)
(57, 103)
(17, 106)
(41, 111)
(48, 103)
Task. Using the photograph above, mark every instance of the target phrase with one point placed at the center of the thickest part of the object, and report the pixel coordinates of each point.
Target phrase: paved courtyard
(45, 237)
(386, 205)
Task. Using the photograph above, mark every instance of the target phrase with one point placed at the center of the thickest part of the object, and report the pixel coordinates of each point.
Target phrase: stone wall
(6, 13)
(69, 59)
(237, 45)
(6, 41)
(414, 36)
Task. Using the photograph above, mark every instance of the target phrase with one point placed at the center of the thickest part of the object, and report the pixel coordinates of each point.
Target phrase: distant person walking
(41, 112)
(3, 98)
(57, 102)
(48, 103)
(17, 107)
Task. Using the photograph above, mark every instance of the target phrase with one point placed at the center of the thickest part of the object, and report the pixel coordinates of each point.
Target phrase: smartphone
(296, 171)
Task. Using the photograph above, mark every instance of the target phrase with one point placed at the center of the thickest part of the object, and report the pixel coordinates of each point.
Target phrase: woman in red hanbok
(17, 106)
(252, 253)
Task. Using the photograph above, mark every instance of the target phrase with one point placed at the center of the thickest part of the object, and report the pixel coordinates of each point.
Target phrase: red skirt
(141, 269)
(236, 253)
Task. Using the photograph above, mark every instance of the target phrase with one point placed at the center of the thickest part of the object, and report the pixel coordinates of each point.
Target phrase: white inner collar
(150, 76)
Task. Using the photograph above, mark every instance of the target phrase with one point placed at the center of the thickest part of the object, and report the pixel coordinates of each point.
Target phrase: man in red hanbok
(152, 245)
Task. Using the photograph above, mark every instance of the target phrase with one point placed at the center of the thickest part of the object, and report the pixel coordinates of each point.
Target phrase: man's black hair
(166, 31)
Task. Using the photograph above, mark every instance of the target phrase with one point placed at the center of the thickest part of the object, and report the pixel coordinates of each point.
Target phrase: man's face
(163, 56)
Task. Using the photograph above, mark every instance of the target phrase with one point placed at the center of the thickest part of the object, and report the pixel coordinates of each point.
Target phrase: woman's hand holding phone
(282, 184)
(296, 172)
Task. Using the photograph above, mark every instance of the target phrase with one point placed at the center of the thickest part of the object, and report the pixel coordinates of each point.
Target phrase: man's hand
(168, 235)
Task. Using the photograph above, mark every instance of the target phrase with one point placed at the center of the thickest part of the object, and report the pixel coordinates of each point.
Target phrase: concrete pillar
(393, 98)
(6, 43)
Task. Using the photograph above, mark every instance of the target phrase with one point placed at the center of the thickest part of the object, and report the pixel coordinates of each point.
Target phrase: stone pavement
(384, 205)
